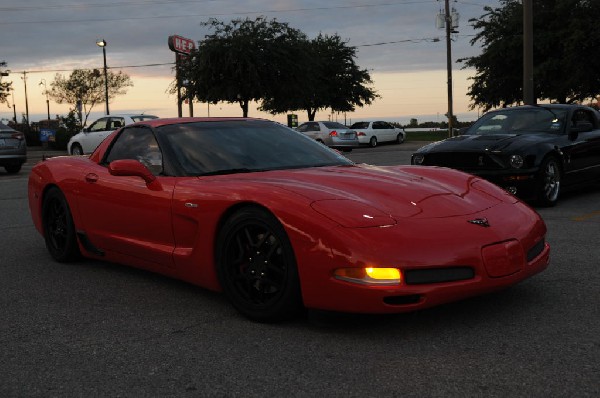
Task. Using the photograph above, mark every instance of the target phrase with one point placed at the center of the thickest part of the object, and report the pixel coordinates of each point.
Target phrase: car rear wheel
(256, 266)
(76, 150)
(59, 229)
(549, 182)
(373, 142)
(12, 168)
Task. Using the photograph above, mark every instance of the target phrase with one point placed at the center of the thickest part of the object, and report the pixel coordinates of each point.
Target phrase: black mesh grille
(437, 275)
(536, 250)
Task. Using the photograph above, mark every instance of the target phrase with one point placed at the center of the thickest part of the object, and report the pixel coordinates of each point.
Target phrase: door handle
(91, 177)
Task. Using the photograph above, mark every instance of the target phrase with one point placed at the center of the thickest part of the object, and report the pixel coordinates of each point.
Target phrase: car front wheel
(256, 266)
(76, 150)
(59, 229)
(548, 182)
(400, 138)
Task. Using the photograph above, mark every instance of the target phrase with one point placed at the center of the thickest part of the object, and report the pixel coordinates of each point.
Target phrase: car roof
(179, 120)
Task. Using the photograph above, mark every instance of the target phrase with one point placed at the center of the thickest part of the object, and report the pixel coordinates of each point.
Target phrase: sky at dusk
(397, 41)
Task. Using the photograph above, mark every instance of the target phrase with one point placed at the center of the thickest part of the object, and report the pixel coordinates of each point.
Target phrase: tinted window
(141, 118)
(137, 143)
(334, 125)
(360, 125)
(203, 148)
(521, 121)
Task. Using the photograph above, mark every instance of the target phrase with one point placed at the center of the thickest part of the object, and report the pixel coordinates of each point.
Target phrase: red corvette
(279, 222)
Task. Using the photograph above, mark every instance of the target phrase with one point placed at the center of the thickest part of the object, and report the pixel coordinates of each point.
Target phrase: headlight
(370, 275)
(418, 158)
(516, 161)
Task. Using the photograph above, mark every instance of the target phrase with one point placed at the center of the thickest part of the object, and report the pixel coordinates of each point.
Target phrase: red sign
(181, 44)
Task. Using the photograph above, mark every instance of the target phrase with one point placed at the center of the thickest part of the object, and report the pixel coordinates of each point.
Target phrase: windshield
(522, 121)
(224, 147)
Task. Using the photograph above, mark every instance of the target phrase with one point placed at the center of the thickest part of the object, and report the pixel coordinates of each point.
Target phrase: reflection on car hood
(495, 142)
(400, 191)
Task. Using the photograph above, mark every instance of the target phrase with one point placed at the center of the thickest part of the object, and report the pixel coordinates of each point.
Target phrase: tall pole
(14, 106)
(43, 82)
(528, 94)
(26, 103)
(448, 19)
(102, 43)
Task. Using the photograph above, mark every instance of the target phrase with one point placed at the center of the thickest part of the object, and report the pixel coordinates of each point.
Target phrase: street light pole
(448, 19)
(102, 43)
(43, 82)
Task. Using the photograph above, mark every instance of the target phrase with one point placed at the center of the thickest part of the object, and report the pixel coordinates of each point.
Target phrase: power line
(212, 14)
(108, 67)
(96, 5)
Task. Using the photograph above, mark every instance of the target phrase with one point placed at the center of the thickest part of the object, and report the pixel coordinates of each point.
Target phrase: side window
(99, 125)
(116, 123)
(137, 143)
(378, 126)
(385, 125)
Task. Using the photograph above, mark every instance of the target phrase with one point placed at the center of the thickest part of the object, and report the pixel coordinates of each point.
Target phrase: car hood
(397, 191)
(488, 142)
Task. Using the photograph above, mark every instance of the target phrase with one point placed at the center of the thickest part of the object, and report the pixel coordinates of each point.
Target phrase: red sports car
(279, 222)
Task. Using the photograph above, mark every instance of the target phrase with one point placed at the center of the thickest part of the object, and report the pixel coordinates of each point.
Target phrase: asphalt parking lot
(98, 329)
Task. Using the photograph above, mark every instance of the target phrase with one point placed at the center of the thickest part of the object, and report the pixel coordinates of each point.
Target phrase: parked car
(332, 134)
(89, 138)
(278, 221)
(531, 151)
(13, 149)
(372, 133)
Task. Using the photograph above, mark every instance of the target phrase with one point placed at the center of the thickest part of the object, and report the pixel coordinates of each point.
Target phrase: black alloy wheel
(256, 266)
(373, 142)
(549, 182)
(59, 230)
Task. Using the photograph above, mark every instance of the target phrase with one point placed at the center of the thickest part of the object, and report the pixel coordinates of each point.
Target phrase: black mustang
(531, 151)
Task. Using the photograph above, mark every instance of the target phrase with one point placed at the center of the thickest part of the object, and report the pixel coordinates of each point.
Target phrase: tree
(566, 53)
(87, 86)
(330, 78)
(241, 61)
(5, 87)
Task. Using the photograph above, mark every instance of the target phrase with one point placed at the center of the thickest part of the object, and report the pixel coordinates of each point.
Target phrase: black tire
(59, 230)
(399, 138)
(548, 182)
(12, 168)
(76, 149)
(256, 266)
(373, 142)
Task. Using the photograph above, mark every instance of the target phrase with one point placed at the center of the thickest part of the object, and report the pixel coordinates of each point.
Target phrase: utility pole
(528, 94)
(26, 103)
(448, 19)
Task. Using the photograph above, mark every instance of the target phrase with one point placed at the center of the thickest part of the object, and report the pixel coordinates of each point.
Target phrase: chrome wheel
(549, 182)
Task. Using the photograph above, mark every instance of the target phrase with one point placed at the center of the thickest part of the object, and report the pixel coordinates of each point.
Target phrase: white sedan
(373, 133)
(89, 138)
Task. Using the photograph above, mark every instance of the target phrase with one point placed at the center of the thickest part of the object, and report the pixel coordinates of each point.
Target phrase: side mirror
(130, 167)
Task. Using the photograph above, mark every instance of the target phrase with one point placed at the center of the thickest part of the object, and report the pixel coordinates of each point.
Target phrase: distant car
(13, 149)
(531, 151)
(373, 133)
(89, 138)
(332, 134)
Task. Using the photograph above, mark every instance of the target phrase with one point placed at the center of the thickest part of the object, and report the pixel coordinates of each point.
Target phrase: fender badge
(482, 222)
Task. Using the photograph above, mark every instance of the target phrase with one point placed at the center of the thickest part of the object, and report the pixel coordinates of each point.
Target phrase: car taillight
(333, 134)
(18, 136)
(360, 134)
